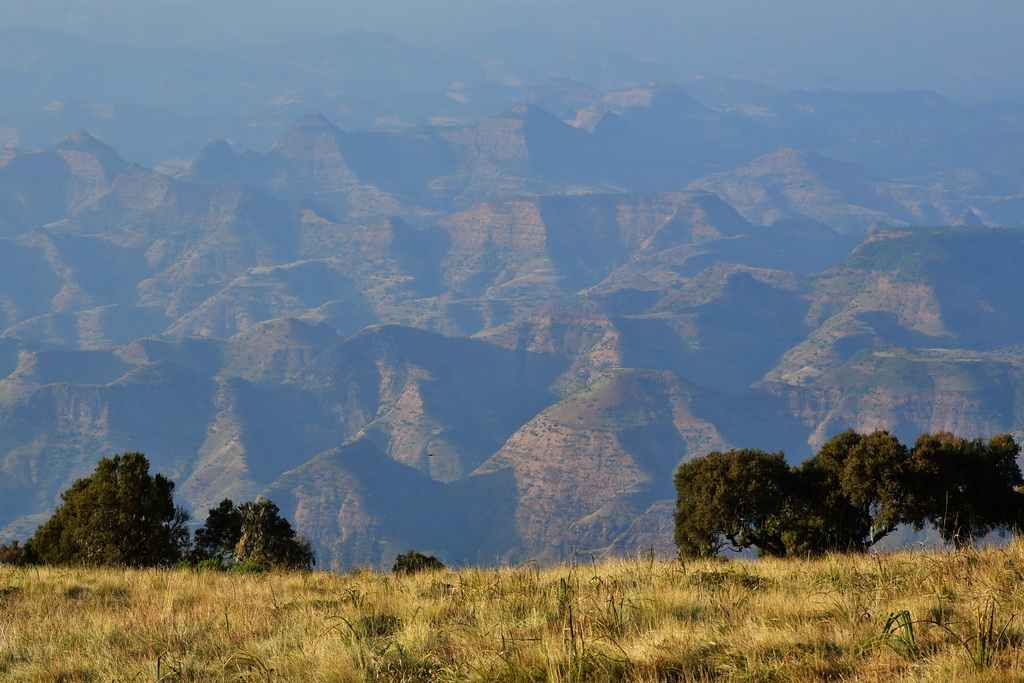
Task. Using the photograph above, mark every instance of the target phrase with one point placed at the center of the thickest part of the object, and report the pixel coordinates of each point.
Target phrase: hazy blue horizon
(970, 53)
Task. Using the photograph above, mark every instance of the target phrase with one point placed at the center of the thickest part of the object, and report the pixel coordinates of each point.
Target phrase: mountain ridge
(499, 355)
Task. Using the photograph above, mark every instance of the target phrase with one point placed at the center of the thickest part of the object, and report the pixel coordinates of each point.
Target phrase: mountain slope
(389, 335)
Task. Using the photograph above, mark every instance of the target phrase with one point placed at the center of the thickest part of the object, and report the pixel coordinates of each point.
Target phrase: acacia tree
(856, 489)
(121, 515)
(740, 498)
(253, 533)
(963, 488)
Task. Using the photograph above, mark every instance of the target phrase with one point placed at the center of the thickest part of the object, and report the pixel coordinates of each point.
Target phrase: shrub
(212, 565)
(413, 562)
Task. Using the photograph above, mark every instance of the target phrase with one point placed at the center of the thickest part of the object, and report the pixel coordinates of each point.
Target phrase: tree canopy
(737, 498)
(966, 488)
(120, 515)
(857, 489)
(253, 533)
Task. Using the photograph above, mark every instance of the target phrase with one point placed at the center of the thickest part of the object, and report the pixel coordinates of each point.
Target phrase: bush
(413, 562)
(201, 565)
(16, 555)
(212, 565)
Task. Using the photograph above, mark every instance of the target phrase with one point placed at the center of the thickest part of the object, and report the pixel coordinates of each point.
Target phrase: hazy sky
(966, 50)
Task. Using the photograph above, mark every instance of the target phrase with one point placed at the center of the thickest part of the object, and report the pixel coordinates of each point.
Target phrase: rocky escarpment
(433, 358)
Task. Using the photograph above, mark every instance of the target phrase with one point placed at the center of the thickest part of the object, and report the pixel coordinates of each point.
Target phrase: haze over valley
(478, 292)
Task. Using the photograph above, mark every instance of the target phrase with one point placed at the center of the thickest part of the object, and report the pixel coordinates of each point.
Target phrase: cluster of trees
(122, 515)
(857, 489)
(253, 534)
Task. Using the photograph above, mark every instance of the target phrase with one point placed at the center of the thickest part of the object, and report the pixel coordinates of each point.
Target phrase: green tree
(219, 535)
(966, 489)
(822, 520)
(16, 555)
(120, 516)
(855, 490)
(740, 498)
(253, 533)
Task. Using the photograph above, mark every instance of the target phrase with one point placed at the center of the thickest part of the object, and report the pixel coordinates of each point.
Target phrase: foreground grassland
(941, 616)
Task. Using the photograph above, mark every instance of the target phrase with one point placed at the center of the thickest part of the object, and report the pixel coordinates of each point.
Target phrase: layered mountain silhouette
(494, 340)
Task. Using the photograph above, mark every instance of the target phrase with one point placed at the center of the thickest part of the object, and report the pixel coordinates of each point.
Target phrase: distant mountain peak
(782, 159)
(313, 143)
(314, 120)
(785, 155)
(313, 123)
(82, 141)
(521, 109)
(524, 111)
(78, 137)
(788, 161)
(309, 126)
(217, 146)
(968, 219)
(660, 93)
(214, 152)
(219, 162)
(610, 123)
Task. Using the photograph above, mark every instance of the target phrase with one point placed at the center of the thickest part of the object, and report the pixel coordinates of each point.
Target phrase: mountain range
(495, 339)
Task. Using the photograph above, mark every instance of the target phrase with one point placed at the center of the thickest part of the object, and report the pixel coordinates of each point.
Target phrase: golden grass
(922, 616)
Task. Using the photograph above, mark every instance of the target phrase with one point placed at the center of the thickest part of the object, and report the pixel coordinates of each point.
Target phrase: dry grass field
(932, 616)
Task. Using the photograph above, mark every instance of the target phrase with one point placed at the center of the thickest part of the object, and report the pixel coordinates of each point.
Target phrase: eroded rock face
(791, 183)
(611, 444)
(432, 358)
